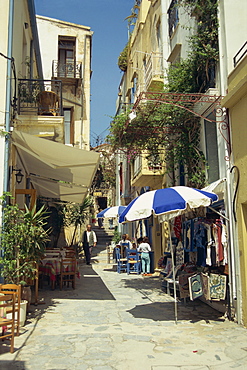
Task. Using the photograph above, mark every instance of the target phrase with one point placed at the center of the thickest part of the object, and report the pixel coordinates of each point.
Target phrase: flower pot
(23, 312)
(26, 295)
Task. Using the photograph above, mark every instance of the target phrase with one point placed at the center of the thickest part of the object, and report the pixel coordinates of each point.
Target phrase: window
(211, 149)
(173, 18)
(137, 165)
(68, 126)
(134, 88)
(66, 57)
(158, 36)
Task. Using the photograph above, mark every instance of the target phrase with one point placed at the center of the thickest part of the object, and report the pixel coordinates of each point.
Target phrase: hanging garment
(209, 243)
(224, 241)
(177, 226)
(220, 246)
(179, 254)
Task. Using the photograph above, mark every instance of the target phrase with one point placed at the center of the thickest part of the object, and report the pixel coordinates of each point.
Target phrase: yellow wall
(143, 43)
(236, 102)
(143, 46)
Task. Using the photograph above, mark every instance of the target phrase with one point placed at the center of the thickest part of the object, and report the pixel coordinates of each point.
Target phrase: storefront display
(201, 257)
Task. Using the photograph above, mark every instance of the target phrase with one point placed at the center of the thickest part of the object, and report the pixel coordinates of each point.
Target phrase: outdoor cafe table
(51, 266)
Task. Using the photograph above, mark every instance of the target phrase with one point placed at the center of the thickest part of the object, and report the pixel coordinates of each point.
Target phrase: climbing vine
(204, 48)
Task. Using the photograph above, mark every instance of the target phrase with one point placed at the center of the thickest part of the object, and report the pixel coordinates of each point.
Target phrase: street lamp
(18, 176)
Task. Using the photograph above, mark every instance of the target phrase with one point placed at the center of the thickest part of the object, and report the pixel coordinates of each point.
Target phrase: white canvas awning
(56, 170)
(217, 187)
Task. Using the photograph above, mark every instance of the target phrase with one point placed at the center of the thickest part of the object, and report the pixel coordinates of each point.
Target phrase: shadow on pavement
(165, 311)
(162, 306)
(88, 287)
(12, 365)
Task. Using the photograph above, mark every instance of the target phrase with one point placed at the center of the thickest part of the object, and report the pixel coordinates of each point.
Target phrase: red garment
(220, 246)
(177, 226)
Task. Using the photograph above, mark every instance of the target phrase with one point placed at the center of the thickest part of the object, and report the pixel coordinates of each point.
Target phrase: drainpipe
(118, 199)
(234, 265)
(8, 96)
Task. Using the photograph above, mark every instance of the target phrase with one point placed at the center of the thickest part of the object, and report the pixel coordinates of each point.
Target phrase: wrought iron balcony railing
(240, 54)
(40, 97)
(66, 70)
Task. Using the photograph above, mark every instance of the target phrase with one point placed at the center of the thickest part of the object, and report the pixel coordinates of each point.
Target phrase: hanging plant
(123, 58)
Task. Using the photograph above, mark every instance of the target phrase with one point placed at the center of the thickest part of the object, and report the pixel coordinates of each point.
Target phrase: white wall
(232, 35)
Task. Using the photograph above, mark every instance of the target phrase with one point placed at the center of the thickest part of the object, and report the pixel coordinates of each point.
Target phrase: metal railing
(40, 97)
(153, 68)
(66, 70)
(240, 54)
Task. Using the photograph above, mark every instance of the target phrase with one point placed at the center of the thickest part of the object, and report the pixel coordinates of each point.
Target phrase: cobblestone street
(120, 321)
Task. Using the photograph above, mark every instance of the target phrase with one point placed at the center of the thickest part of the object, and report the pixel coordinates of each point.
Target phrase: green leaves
(166, 132)
(23, 241)
(123, 58)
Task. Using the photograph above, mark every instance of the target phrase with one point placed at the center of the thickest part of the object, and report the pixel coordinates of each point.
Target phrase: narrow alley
(122, 322)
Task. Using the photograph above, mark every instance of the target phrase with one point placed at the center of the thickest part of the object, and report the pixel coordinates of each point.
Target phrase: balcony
(40, 97)
(66, 70)
(143, 173)
(154, 73)
(40, 108)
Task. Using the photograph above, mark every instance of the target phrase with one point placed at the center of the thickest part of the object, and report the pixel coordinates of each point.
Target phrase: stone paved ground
(121, 322)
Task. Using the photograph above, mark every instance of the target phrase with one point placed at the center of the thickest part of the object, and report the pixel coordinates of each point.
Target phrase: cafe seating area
(58, 268)
(128, 260)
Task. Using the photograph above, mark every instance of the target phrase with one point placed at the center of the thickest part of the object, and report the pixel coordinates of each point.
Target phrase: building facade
(66, 56)
(46, 105)
(159, 42)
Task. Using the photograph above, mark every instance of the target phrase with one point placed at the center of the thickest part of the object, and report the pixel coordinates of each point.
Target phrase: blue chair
(133, 261)
(121, 262)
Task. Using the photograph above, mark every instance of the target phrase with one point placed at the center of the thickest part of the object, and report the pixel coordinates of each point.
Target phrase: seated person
(124, 243)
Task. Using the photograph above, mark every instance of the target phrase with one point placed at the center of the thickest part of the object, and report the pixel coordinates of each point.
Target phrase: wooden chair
(133, 261)
(7, 304)
(70, 253)
(52, 253)
(16, 289)
(121, 262)
(68, 272)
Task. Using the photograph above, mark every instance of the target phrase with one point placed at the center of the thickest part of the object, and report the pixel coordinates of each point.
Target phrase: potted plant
(23, 240)
(75, 215)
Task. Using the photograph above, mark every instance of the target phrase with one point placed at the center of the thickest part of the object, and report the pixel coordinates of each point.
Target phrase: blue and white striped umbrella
(167, 203)
(111, 212)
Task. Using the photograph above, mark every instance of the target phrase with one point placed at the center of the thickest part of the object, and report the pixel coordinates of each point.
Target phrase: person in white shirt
(144, 248)
(124, 243)
(89, 241)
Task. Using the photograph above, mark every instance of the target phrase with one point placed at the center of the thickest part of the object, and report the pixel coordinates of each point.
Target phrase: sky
(106, 18)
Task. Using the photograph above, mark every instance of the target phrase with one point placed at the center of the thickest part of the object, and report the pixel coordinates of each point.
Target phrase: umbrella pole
(173, 274)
